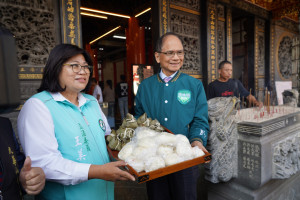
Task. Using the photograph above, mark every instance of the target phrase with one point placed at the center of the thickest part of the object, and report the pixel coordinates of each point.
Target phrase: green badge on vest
(184, 96)
(102, 125)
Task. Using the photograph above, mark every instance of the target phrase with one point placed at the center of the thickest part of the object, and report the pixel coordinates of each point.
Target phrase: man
(180, 105)
(225, 86)
(97, 92)
(122, 94)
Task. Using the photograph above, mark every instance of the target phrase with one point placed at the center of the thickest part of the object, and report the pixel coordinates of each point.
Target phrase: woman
(62, 130)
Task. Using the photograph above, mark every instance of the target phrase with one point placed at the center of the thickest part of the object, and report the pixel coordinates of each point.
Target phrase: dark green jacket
(179, 105)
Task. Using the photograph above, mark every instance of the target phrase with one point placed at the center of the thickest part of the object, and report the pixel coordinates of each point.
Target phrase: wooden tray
(147, 176)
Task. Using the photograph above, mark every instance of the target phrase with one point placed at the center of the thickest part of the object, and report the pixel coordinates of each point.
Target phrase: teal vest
(80, 137)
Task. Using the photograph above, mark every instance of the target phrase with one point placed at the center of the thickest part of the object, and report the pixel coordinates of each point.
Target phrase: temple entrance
(243, 47)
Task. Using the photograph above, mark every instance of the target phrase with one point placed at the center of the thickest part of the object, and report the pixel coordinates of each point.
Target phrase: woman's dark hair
(109, 83)
(160, 41)
(221, 65)
(58, 56)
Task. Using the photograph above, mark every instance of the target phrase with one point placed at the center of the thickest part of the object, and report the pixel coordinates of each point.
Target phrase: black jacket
(10, 187)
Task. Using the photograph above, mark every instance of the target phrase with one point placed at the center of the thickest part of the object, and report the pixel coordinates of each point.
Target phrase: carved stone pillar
(183, 18)
(259, 57)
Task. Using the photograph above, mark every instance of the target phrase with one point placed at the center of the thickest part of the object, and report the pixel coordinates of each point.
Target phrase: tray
(147, 176)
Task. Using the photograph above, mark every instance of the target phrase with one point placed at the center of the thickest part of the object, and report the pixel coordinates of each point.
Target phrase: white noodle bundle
(126, 151)
(154, 163)
(164, 150)
(172, 159)
(150, 150)
(137, 164)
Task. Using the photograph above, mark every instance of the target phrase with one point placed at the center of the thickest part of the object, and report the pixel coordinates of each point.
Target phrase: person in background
(109, 96)
(225, 86)
(97, 92)
(122, 95)
(62, 130)
(108, 92)
(178, 102)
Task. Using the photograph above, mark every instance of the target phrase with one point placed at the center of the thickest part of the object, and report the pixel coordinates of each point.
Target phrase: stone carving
(222, 141)
(190, 4)
(287, 24)
(39, 4)
(285, 57)
(28, 88)
(261, 54)
(261, 24)
(251, 8)
(220, 11)
(33, 26)
(290, 97)
(188, 27)
(286, 157)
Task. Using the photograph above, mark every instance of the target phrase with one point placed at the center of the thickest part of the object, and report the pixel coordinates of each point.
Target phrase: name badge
(184, 96)
(102, 125)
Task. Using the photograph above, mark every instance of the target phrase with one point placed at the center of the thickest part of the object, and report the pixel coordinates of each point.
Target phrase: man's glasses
(77, 68)
(171, 54)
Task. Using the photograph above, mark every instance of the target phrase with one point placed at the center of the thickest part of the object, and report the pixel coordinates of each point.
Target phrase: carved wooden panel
(32, 23)
(190, 4)
(259, 56)
(284, 55)
(187, 25)
(284, 59)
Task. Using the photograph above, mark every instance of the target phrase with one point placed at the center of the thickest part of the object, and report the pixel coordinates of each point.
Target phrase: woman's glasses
(77, 68)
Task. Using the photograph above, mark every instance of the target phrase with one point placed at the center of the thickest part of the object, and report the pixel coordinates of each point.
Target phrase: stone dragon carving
(222, 141)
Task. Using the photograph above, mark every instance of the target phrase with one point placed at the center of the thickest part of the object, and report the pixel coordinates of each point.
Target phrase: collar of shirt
(57, 96)
(163, 76)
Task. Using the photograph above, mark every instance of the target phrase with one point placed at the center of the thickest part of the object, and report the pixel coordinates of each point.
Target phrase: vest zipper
(92, 134)
(86, 121)
(106, 182)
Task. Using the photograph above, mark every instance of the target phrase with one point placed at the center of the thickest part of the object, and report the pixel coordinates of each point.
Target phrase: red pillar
(135, 44)
(93, 53)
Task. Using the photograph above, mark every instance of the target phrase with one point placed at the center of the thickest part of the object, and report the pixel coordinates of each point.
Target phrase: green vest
(80, 137)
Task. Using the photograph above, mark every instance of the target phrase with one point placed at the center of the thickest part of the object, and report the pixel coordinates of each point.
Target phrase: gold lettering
(70, 9)
(30, 76)
(71, 17)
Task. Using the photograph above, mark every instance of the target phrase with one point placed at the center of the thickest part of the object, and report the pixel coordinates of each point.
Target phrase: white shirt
(37, 137)
(163, 76)
(98, 91)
